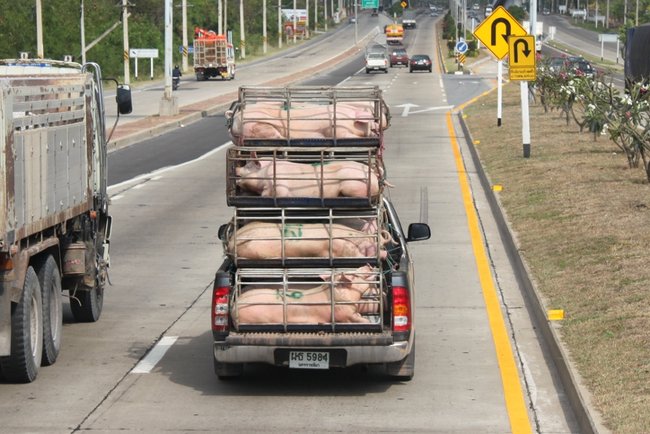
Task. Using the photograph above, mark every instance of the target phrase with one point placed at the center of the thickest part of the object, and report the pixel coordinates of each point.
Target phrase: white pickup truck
(376, 62)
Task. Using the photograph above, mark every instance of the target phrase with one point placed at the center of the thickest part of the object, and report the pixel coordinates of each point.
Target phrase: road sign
(369, 4)
(146, 53)
(461, 47)
(494, 31)
(521, 60)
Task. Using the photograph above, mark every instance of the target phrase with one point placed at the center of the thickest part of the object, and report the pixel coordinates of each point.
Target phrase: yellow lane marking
(514, 397)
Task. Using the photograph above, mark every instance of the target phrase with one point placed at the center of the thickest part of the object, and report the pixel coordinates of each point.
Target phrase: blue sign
(190, 49)
(461, 47)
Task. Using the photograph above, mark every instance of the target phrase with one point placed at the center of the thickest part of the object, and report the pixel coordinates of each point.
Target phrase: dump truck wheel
(87, 306)
(26, 334)
(50, 281)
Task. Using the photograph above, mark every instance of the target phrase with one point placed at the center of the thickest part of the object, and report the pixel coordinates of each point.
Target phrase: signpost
(493, 32)
(608, 37)
(521, 61)
(145, 53)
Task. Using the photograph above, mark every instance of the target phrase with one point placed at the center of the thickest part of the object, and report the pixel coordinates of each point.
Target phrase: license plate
(309, 360)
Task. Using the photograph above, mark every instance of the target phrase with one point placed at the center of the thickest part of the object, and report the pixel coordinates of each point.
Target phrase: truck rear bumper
(354, 355)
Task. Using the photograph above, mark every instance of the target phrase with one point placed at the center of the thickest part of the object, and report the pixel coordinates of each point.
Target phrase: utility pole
(279, 23)
(242, 37)
(39, 30)
(83, 34)
(325, 14)
(265, 38)
(168, 103)
(225, 17)
(125, 37)
(356, 24)
(220, 17)
(185, 48)
(315, 15)
(294, 22)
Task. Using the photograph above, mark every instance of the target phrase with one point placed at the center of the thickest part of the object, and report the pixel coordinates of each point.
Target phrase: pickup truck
(376, 62)
(385, 337)
(317, 272)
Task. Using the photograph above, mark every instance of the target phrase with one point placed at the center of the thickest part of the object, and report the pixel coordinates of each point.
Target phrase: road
(167, 202)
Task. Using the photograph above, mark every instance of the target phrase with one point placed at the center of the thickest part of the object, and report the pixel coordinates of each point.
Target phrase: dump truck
(394, 33)
(316, 271)
(55, 227)
(214, 55)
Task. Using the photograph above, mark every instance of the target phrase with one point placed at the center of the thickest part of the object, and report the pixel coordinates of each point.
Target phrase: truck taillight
(401, 309)
(6, 264)
(220, 299)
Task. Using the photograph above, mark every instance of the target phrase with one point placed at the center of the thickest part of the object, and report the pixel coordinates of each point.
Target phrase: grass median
(581, 218)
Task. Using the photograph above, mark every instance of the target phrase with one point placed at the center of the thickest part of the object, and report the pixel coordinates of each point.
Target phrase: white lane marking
(156, 174)
(155, 355)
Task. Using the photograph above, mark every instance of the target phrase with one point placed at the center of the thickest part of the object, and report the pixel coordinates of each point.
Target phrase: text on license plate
(309, 360)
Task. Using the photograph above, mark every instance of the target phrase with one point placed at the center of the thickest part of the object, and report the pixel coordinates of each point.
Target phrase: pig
(263, 240)
(289, 179)
(269, 120)
(311, 305)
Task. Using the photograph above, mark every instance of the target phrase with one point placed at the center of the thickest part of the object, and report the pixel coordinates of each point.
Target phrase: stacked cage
(308, 237)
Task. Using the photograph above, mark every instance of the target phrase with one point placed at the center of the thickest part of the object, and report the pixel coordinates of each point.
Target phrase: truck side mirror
(123, 99)
(418, 232)
(223, 232)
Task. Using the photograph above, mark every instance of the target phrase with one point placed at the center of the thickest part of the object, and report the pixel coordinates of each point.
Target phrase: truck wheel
(50, 281)
(228, 371)
(87, 306)
(26, 334)
(404, 369)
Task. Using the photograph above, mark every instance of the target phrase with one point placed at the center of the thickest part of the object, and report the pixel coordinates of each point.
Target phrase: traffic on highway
(186, 342)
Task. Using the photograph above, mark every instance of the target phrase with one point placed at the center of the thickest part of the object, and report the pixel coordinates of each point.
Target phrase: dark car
(572, 64)
(420, 62)
(398, 56)
(580, 67)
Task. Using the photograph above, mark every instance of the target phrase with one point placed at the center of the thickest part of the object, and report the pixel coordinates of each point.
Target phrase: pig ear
(253, 164)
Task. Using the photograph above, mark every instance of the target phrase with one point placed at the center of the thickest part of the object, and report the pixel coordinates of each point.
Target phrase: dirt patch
(581, 218)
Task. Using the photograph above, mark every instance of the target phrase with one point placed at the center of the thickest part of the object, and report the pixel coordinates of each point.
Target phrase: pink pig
(288, 179)
(311, 305)
(262, 240)
(268, 120)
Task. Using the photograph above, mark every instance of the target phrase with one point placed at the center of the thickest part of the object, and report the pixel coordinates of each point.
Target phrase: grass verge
(580, 216)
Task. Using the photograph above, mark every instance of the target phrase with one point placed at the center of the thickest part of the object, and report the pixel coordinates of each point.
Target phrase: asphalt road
(168, 201)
